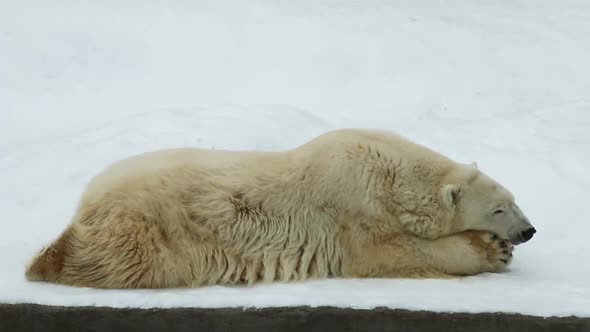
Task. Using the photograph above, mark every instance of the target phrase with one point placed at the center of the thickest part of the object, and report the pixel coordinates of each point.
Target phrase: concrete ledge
(31, 317)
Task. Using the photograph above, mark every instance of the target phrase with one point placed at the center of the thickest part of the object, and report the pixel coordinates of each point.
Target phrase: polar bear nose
(528, 234)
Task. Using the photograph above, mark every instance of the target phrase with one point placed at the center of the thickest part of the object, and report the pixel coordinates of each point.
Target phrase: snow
(504, 83)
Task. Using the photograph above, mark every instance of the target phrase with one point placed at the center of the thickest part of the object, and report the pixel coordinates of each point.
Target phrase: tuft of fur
(47, 265)
(350, 203)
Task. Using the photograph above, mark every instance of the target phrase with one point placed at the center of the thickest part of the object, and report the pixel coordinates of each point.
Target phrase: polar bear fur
(350, 203)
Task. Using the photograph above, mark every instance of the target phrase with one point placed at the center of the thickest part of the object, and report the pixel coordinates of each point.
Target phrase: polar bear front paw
(501, 254)
(495, 252)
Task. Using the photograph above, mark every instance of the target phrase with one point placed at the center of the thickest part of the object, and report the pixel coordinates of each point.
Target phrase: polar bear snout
(528, 234)
(523, 236)
(520, 230)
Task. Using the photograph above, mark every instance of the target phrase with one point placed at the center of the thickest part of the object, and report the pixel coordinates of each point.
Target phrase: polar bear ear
(474, 164)
(450, 194)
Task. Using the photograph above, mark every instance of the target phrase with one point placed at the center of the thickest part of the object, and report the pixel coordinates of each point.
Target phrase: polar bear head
(480, 203)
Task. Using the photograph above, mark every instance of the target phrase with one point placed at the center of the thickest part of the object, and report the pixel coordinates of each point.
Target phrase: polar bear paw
(495, 253)
(500, 254)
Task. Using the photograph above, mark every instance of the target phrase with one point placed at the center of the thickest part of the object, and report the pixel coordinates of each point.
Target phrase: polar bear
(350, 203)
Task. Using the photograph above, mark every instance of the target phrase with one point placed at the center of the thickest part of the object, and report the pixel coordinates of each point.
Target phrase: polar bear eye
(498, 211)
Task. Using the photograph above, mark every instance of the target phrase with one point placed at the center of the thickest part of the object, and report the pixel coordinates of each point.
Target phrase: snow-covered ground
(505, 83)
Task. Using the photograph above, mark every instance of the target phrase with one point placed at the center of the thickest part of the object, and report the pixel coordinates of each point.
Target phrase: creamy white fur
(350, 203)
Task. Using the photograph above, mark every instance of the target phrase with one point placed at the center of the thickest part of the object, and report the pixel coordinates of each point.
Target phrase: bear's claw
(495, 253)
(499, 252)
